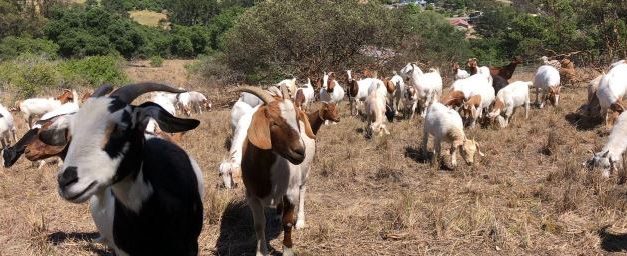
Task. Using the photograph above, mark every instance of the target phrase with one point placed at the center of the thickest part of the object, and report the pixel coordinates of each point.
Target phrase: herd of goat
(145, 191)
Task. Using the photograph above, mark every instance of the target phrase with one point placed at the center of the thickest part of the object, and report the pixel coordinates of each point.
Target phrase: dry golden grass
(529, 195)
(148, 18)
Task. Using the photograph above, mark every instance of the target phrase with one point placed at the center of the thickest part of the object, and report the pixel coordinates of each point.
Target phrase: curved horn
(263, 95)
(102, 90)
(130, 92)
(285, 92)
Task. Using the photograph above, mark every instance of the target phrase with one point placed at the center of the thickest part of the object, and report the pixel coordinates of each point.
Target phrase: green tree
(11, 47)
(192, 12)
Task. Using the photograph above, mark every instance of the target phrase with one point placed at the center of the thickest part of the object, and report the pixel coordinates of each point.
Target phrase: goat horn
(130, 92)
(261, 94)
(285, 92)
(102, 90)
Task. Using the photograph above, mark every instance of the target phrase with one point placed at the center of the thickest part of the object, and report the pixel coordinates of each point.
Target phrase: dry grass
(529, 195)
(148, 18)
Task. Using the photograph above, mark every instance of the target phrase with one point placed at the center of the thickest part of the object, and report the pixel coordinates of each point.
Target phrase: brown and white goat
(273, 147)
(471, 109)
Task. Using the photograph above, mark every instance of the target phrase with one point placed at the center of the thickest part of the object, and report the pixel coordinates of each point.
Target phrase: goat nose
(68, 177)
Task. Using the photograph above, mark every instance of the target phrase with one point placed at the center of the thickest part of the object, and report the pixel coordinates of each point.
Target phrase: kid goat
(148, 190)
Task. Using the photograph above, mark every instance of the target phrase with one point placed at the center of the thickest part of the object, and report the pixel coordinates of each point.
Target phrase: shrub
(267, 42)
(94, 71)
(11, 47)
(156, 61)
(29, 74)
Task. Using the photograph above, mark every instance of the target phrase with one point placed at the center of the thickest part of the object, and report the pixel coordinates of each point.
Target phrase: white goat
(7, 127)
(331, 90)
(610, 158)
(375, 111)
(359, 90)
(509, 98)
(445, 124)
(428, 86)
(192, 100)
(479, 100)
(34, 107)
(164, 100)
(291, 86)
(612, 89)
(308, 94)
(229, 169)
(398, 95)
(459, 73)
(547, 79)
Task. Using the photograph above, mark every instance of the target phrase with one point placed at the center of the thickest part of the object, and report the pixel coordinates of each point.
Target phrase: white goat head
(106, 138)
(468, 150)
(602, 161)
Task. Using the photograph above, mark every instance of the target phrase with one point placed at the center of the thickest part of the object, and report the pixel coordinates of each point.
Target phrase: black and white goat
(147, 190)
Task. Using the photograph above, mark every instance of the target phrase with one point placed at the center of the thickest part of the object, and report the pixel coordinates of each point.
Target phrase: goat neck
(316, 120)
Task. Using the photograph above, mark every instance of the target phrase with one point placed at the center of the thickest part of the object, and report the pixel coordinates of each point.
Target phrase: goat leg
(288, 223)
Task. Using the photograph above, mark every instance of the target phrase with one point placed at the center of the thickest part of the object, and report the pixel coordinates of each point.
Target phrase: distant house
(422, 3)
(460, 22)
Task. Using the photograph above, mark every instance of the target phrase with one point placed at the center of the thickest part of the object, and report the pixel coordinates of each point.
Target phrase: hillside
(529, 195)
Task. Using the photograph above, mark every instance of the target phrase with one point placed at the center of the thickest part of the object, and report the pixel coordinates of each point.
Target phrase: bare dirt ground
(529, 195)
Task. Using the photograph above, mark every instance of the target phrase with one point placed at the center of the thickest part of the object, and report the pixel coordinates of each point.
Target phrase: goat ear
(55, 132)
(259, 130)
(308, 131)
(617, 107)
(167, 122)
(605, 154)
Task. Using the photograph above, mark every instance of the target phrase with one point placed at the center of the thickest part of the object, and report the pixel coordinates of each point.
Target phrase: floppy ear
(303, 117)
(166, 121)
(56, 133)
(617, 107)
(259, 130)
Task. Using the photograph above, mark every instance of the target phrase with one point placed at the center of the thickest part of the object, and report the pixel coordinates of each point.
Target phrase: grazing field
(528, 195)
(148, 18)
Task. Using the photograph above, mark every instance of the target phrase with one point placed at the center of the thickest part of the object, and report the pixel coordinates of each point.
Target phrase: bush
(267, 42)
(94, 71)
(156, 61)
(30, 74)
(11, 47)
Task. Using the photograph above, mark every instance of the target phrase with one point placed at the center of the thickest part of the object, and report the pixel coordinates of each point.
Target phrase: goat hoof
(300, 224)
(288, 251)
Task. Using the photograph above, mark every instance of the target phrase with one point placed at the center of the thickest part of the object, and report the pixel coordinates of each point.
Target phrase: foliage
(30, 74)
(19, 18)
(11, 47)
(94, 31)
(427, 37)
(123, 6)
(192, 12)
(203, 12)
(560, 26)
(156, 61)
(94, 71)
(267, 42)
